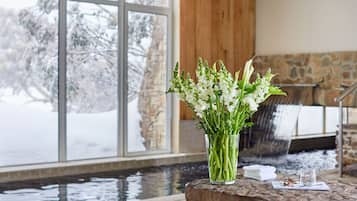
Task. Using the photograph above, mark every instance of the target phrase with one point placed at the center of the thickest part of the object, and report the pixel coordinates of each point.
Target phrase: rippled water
(292, 163)
(141, 183)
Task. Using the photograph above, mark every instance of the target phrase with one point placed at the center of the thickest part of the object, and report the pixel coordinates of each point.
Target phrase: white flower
(200, 107)
(249, 99)
(259, 94)
(214, 106)
(231, 107)
(218, 99)
(248, 71)
(190, 98)
(261, 91)
(231, 99)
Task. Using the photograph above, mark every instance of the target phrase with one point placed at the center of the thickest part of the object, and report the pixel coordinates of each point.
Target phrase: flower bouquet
(223, 105)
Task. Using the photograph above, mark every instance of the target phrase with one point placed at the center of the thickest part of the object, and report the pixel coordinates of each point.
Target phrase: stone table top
(344, 189)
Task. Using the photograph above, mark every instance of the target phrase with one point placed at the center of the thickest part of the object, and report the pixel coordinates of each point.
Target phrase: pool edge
(71, 168)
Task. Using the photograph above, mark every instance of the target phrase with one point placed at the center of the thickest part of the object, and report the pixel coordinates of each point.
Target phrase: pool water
(141, 183)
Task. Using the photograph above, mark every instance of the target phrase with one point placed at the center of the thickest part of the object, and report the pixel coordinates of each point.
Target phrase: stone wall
(350, 144)
(330, 71)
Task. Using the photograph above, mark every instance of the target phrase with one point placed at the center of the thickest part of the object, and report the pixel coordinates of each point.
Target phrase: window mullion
(121, 84)
(169, 63)
(148, 9)
(62, 112)
(102, 2)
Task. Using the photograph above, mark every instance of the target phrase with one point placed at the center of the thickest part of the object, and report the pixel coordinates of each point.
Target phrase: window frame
(122, 61)
(122, 131)
(162, 11)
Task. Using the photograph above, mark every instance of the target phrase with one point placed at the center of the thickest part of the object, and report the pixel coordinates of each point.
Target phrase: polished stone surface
(178, 197)
(251, 190)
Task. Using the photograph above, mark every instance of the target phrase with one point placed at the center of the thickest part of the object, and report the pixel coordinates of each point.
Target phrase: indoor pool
(141, 183)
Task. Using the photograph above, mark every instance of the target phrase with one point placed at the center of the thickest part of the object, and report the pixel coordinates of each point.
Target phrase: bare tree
(29, 63)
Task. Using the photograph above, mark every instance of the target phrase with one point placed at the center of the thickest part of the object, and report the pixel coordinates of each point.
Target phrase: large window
(28, 82)
(83, 79)
(147, 61)
(92, 77)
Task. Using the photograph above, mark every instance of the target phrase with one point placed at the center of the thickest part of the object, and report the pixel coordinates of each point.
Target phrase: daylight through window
(112, 70)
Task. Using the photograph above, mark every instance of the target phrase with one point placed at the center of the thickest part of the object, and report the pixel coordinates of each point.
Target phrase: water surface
(141, 183)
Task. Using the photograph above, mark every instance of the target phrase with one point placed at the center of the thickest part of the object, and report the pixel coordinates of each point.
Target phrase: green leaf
(276, 91)
(176, 69)
(250, 88)
(248, 124)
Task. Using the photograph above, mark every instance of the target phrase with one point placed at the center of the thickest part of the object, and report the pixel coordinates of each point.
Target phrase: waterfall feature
(268, 140)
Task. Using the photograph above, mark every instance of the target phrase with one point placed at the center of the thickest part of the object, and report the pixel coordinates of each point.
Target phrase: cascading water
(268, 140)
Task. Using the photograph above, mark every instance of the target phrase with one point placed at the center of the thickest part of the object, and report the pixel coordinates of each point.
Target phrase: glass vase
(222, 153)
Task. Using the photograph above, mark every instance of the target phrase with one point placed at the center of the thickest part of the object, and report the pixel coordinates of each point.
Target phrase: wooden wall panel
(244, 39)
(213, 30)
(222, 29)
(203, 28)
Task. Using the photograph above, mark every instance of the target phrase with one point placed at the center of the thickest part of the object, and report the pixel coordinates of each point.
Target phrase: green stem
(223, 153)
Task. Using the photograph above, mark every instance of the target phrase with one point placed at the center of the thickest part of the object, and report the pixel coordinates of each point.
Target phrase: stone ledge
(251, 190)
(41, 171)
(178, 197)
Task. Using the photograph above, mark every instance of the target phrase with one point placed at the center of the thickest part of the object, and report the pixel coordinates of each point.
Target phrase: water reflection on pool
(139, 184)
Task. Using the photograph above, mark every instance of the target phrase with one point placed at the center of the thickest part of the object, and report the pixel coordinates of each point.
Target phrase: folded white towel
(259, 172)
(263, 168)
(261, 177)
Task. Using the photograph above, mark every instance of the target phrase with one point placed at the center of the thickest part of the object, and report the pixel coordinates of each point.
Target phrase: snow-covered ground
(29, 132)
(135, 140)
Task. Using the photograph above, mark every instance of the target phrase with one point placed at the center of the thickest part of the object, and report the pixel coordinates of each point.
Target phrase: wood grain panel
(188, 30)
(244, 27)
(215, 29)
(222, 28)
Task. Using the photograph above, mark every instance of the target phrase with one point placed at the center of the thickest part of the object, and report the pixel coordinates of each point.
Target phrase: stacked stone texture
(331, 71)
(350, 144)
